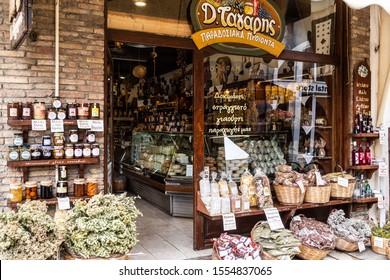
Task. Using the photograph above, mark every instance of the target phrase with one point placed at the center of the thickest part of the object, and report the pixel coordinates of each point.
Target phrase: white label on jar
(63, 173)
(58, 153)
(46, 142)
(25, 155)
(74, 138)
(69, 152)
(36, 154)
(247, 205)
(26, 112)
(61, 115)
(13, 155)
(18, 141)
(59, 141)
(86, 152)
(95, 112)
(61, 190)
(13, 112)
(95, 152)
(52, 115)
(78, 152)
(72, 112)
(91, 138)
(56, 103)
(238, 204)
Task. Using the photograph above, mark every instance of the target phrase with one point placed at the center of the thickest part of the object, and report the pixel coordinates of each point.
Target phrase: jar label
(46, 153)
(52, 115)
(74, 138)
(91, 138)
(61, 115)
(62, 190)
(13, 112)
(26, 155)
(26, 112)
(95, 112)
(36, 154)
(72, 112)
(95, 152)
(69, 152)
(14, 155)
(46, 142)
(18, 141)
(78, 152)
(86, 152)
(59, 141)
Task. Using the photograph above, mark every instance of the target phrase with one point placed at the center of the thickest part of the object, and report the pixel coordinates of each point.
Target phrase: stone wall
(27, 74)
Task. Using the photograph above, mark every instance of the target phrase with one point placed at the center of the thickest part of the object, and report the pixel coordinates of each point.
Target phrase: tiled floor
(163, 237)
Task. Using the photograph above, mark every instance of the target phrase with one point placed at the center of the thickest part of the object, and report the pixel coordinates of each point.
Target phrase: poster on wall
(20, 17)
(361, 88)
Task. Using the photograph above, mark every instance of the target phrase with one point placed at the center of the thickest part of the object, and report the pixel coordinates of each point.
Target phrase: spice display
(46, 189)
(73, 136)
(263, 190)
(25, 152)
(279, 243)
(46, 141)
(58, 139)
(36, 152)
(78, 150)
(95, 150)
(62, 189)
(91, 187)
(18, 139)
(13, 111)
(27, 111)
(383, 232)
(90, 137)
(95, 110)
(83, 110)
(58, 152)
(236, 247)
(353, 230)
(47, 152)
(87, 150)
(28, 234)
(31, 190)
(79, 187)
(69, 151)
(16, 192)
(13, 153)
(103, 226)
(39, 110)
(71, 111)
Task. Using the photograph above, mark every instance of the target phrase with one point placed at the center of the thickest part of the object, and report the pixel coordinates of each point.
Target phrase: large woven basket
(380, 250)
(343, 244)
(215, 255)
(289, 195)
(310, 253)
(316, 194)
(388, 253)
(342, 192)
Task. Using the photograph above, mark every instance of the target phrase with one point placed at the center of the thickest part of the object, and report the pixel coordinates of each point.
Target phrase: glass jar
(52, 114)
(87, 150)
(91, 187)
(73, 136)
(47, 152)
(95, 150)
(36, 152)
(62, 189)
(46, 141)
(95, 110)
(79, 187)
(61, 114)
(27, 111)
(31, 190)
(39, 110)
(13, 153)
(71, 111)
(58, 152)
(25, 152)
(90, 137)
(83, 110)
(62, 173)
(46, 189)
(69, 151)
(78, 150)
(13, 111)
(15, 192)
(58, 139)
(18, 139)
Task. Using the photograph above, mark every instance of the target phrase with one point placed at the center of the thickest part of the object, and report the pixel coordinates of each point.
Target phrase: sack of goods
(235, 247)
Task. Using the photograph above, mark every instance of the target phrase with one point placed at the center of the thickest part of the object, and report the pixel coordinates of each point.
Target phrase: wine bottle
(355, 154)
(367, 154)
(362, 157)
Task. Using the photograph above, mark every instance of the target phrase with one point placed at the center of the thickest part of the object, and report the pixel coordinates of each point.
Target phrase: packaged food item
(47, 152)
(69, 151)
(58, 152)
(13, 111)
(236, 247)
(90, 137)
(52, 113)
(214, 185)
(95, 110)
(91, 187)
(18, 139)
(58, 139)
(46, 189)
(215, 205)
(46, 141)
(95, 150)
(235, 203)
(31, 190)
(27, 111)
(36, 152)
(39, 110)
(83, 110)
(13, 153)
(71, 111)
(245, 203)
(263, 190)
(223, 185)
(62, 189)
(78, 150)
(79, 187)
(244, 189)
(204, 185)
(233, 190)
(225, 204)
(61, 114)
(73, 136)
(246, 178)
(16, 192)
(25, 152)
(87, 150)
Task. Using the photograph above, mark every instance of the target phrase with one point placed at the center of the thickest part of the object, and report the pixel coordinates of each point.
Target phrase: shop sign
(248, 27)
(361, 88)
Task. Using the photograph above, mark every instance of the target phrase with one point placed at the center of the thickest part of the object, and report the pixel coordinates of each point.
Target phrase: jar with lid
(27, 111)
(25, 152)
(83, 110)
(18, 139)
(39, 110)
(61, 114)
(15, 192)
(95, 110)
(58, 152)
(62, 189)
(58, 139)
(13, 111)
(91, 187)
(47, 152)
(31, 190)
(13, 153)
(52, 113)
(46, 141)
(90, 137)
(36, 152)
(73, 136)
(46, 189)
(87, 150)
(79, 187)
(95, 150)
(71, 111)
(69, 151)
(78, 150)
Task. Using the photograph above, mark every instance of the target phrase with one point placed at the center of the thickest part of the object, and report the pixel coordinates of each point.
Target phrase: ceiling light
(140, 3)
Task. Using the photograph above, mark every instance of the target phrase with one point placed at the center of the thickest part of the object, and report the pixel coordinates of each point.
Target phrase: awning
(360, 4)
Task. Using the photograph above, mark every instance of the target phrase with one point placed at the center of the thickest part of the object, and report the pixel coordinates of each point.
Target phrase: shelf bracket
(25, 173)
(81, 170)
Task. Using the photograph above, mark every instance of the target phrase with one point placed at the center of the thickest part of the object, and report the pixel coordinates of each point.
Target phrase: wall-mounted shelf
(49, 201)
(365, 135)
(369, 169)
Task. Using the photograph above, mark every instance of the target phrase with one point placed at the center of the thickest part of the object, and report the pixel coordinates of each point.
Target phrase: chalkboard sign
(362, 88)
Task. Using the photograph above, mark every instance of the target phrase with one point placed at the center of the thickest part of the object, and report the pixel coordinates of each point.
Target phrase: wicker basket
(343, 244)
(289, 195)
(380, 250)
(215, 255)
(342, 192)
(388, 253)
(316, 194)
(310, 253)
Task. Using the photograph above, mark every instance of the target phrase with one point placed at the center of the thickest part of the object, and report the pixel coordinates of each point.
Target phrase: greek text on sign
(229, 222)
(38, 125)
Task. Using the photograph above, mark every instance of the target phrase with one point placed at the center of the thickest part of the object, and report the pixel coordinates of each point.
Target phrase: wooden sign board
(361, 88)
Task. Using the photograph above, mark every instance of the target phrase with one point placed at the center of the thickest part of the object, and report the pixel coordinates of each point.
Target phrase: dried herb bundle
(28, 234)
(103, 226)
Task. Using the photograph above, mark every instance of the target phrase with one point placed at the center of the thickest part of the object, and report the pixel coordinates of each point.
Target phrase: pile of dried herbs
(103, 226)
(28, 234)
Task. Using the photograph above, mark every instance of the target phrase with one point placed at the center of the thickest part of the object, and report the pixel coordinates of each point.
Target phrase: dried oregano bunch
(103, 226)
(28, 234)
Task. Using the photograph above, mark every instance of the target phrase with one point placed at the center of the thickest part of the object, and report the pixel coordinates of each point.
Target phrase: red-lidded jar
(83, 110)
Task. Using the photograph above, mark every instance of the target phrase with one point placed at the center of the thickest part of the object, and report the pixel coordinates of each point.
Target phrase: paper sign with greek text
(342, 182)
(229, 222)
(273, 218)
(383, 170)
(63, 203)
(97, 125)
(57, 126)
(361, 246)
(38, 125)
(380, 202)
(382, 136)
(378, 242)
(189, 170)
(297, 219)
(84, 124)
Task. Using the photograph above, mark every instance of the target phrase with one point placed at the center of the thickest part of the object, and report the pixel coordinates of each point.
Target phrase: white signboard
(273, 218)
(38, 125)
(57, 126)
(84, 124)
(63, 203)
(97, 125)
(229, 222)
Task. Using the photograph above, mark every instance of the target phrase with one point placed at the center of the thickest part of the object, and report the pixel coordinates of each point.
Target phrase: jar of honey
(95, 150)
(39, 110)
(15, 192)
(27, 111)
(31, 190)
(58, 152)
(13, 111)
(69, 151)
(58, 139)
(79, 187)
(91, 187)
(87, 151)
(83, 110)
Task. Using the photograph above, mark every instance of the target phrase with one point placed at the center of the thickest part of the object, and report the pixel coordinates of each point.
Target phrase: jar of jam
(95, 110)
(73, 136)
(52, 114)
(25, 152)
(13, 153)
(87, 150)
(71, 111)
(31, 190)
(39, 110)
(46, 189)
(83, 110)
(78, 150)
(61, 114)
(58, 139)
(62, 189)
(47, 152)
(46, 141)
(36, 152)
(91, 187)
(79, 187)
(13, 111)
(27, 111)
(18, 139)
(15, 192)
(69, 151)
(95, 150)
(90, 137)
(58, 152)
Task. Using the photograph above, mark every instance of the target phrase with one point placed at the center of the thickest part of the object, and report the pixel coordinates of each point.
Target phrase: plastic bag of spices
(214, 185)
(235, 203)
(263, 190)
(215, 205)
(204, 185)
(225, 204)
(223, 185)
(233, 190)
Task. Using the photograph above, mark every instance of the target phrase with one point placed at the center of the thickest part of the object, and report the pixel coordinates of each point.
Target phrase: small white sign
(378, 242)
(308, 158)
(297, 219)
(319, 180)
(63, 203)
(84, 124)
(382, 136)
(57, 126)
(301, 186)
(273, 218)
(383, 170)
(307, 128)
(38, 125)
(342, 182)
(189, 170)
(381, 204)
(361, 246)
(304, 99)
(97, 125)
(229, 222)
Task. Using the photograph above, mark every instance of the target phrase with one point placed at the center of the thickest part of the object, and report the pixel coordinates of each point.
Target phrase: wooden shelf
(28, 122)
(49, 201)
(369, 169)
(51, 162)
(323, 127)
(365, 200)
(364, 135)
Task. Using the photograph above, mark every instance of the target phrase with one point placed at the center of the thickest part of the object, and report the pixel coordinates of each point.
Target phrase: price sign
(273, 218)
(97, 125)
(361, 246)
(378, 242)
(229, 222)
(38, 125)
(57, 126)
(84, 124)
(301, 186)
(63, 203)
(382, 136)
(320, 182)
(380, 202)
(297, 219)
(342, 182)
(383, 170)
(189, 170)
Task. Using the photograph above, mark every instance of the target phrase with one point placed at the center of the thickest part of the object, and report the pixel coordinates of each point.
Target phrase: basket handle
(342, 170)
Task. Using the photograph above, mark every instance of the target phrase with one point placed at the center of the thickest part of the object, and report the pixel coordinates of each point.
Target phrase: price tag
(189, 170)
(383, 170)
(301, 186)
(84, 124)
(297, 219)
(378, 242)
(38, 125)
(63, 203)
(382, 136)
(206, 173)
(229, 222)
(320, 182)
(97, 125)
(342, 182)
(361, 246)
(57, 126)
(380, 202)
(273, 218)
